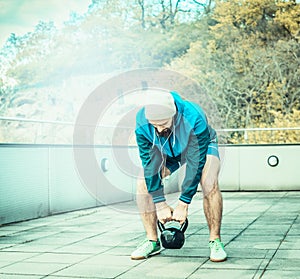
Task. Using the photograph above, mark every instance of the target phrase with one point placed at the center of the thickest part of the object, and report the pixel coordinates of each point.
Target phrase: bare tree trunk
(206, 6)
(142, 6)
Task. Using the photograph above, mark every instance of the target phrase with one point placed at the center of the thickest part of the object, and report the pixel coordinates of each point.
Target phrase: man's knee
(209, 186)
(141, 187)
(209, 180)
(143, 198)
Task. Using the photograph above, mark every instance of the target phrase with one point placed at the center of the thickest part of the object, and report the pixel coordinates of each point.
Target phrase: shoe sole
(218, 260)
(143, 257)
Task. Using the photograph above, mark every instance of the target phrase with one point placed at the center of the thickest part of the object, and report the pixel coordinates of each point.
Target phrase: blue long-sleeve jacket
(188, 144)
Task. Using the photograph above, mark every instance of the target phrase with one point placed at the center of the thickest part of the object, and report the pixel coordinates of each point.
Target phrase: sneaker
(217, 252)
(146, 249)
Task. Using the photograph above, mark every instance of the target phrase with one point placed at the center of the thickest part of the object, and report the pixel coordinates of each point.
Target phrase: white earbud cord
(161, 146)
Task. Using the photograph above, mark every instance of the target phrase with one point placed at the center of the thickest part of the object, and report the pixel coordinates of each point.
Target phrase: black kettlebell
(172, 237)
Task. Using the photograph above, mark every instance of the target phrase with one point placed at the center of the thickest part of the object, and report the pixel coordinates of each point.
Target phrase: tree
(248, 62)
(244, 53)
(288, 16)
(29, 64)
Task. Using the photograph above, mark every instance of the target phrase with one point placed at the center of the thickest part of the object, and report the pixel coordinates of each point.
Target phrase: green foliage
(108, 38)
(245, 54)
(249, 64)
(287, 15)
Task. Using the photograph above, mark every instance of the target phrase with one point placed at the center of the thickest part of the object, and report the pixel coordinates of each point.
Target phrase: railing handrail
(20, 119)
(258, 129)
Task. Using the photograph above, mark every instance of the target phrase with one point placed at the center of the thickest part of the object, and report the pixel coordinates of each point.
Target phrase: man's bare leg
(212, 198)
(146, 206)
(147, 209)
(149, 247)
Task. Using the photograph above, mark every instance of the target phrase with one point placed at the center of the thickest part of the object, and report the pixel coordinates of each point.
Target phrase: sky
(21, 16)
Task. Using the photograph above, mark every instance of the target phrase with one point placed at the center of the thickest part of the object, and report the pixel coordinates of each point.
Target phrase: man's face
(163, 127)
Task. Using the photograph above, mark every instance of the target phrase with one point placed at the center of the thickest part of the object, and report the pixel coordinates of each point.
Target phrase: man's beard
(165, 132)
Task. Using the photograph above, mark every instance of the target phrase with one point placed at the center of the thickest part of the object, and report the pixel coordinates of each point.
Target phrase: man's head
(162, 127)
(159, 110)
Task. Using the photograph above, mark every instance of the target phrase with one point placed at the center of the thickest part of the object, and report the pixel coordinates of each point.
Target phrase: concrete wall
(246, 168)
(37, 181)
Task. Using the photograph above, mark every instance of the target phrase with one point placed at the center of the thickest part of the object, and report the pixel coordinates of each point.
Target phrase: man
(171, 132)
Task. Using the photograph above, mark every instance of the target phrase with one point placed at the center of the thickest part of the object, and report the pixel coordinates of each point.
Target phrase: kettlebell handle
(184, 225)
(182, 228)
(160, 226)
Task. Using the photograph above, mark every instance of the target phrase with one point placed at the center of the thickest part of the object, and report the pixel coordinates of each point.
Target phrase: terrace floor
(260, 231)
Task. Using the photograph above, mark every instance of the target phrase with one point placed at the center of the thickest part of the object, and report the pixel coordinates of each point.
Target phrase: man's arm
(195, 161)
(151, 161)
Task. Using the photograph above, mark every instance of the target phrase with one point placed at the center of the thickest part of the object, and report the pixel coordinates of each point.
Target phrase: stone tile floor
(260, 231)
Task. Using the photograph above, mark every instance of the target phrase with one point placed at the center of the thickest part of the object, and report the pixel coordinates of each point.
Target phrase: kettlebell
(172, 237)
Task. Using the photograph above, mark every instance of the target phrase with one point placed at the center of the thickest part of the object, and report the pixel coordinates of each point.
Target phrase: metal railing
(243, 132)
(246, 130)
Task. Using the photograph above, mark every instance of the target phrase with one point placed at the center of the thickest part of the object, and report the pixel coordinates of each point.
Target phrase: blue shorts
(174, 163)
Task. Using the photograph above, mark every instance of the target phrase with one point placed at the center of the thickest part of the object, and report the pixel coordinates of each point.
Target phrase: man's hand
(181, 212)
(164, 212)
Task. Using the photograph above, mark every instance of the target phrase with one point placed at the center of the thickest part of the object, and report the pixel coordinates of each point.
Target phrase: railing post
(246, 136)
